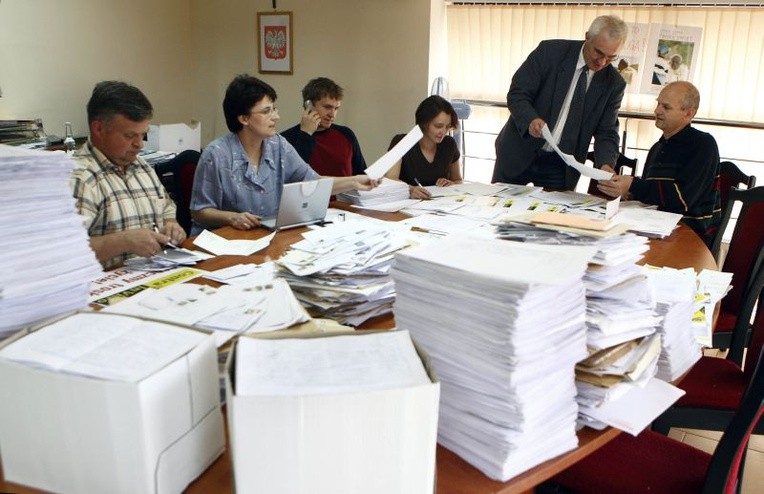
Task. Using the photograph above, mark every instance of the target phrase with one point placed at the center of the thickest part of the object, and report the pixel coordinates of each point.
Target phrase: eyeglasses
(266, 112)
(599, 55)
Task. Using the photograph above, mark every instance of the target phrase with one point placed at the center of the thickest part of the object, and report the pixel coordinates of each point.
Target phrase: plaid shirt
(112, 202)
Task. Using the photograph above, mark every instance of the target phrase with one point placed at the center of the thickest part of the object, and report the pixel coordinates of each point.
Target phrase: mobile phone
(308, 104)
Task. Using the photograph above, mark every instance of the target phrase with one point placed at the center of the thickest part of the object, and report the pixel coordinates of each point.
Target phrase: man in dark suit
(544, 92)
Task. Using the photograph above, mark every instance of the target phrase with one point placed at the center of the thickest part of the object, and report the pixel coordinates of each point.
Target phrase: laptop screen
(302, 203)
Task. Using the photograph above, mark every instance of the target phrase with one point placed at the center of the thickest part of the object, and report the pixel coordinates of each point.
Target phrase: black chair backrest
(723, 474)
(177, 175)
(731, 176)
(619, 164)
(747, 239)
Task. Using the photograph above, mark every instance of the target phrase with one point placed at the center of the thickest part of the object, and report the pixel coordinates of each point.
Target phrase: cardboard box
(372, 441)
(174, 138)
(69, 433)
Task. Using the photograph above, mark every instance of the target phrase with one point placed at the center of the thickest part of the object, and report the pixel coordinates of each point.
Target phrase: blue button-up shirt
(225, 180)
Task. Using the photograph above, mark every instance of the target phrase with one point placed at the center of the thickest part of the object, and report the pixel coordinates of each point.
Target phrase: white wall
(183, 53)
(52, 52)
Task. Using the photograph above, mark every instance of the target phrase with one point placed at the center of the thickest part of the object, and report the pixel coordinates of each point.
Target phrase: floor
(753, 475)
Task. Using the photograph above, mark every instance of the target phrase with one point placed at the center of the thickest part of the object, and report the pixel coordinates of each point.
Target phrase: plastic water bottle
(69, 143)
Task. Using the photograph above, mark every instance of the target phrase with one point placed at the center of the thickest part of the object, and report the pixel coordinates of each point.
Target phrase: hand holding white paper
(569, 160)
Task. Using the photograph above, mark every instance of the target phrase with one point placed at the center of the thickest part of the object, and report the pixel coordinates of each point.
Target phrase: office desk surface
(682, 249)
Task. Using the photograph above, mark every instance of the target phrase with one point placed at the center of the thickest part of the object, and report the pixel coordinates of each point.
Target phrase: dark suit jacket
(538, 90)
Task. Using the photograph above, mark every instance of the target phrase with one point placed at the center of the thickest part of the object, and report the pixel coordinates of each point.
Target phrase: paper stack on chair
(388, 191)
(503, 323)
(675, 293)
(47, 263)
(341, 271)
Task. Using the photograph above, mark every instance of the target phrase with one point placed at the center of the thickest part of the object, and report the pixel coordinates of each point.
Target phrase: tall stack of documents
(342, 271)
(47, 263)
(675, 293)
(503, 323)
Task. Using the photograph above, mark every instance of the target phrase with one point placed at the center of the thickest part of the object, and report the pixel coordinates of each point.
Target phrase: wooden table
(682, 249)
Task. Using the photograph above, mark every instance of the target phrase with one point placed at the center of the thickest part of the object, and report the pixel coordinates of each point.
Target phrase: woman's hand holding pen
(244, 220)
(418, 191)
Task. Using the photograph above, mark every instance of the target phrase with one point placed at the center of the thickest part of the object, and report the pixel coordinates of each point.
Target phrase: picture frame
(274, 43)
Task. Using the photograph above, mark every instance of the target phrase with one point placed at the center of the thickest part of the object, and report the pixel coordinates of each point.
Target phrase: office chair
(729, 176)
(657, 464)
(619, 164)
(741, 259)
(177, 175)
(714, 386)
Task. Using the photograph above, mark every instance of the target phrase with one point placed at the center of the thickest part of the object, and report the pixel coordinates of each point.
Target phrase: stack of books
(504, 325)
(47, 263)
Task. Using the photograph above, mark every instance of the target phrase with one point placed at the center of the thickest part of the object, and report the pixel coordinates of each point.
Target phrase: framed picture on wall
(274, 42)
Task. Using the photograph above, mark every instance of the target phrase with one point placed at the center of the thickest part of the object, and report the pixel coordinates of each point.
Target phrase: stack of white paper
(646, 220)
(387, 191)
(341, 271)
(504, 325)
(675, 293)
(47, 263)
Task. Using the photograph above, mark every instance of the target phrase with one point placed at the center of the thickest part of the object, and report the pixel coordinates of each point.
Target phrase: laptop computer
(302, 203)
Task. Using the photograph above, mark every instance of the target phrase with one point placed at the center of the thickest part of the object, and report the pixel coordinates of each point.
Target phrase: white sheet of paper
(221, 246)
(383, 164)
(611, 207)
(569, 160)
(636, 409)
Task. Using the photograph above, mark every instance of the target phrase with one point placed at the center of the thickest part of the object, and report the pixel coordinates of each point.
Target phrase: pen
(418, 182)
(169, 243)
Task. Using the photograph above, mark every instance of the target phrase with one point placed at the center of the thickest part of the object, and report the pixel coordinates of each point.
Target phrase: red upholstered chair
(657, 464)
(741, 259)
(714, 386)
(729, 176)
(177, 175)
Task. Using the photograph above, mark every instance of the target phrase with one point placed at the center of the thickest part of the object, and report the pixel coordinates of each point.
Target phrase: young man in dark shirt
(330, 149)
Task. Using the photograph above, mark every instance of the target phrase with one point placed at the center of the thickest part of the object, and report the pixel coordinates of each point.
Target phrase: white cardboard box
(175, 138)
(375, 442)
(68, 433)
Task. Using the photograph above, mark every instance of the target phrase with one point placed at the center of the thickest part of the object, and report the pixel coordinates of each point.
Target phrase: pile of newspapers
(504, 325)
(341, 271)
(47, 263)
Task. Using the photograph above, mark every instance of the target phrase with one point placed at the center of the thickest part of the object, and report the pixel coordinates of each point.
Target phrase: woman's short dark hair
(242, 94)
(111, 98)
(433, 106)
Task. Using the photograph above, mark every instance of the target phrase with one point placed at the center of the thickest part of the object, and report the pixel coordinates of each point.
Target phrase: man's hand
(244, 220)
(608, 168)
(174, 231)
(618, 186)
(143, 242)
(535, 127)
(309, 121)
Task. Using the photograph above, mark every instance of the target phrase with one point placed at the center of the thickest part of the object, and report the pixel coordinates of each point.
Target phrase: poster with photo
(631, 58)
(672, 55)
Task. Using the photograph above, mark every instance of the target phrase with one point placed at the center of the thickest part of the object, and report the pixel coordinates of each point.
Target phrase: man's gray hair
(611, 25)
(691, 96)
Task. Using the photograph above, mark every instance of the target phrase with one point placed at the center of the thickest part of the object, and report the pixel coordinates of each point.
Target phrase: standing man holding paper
(682, 169)
(572, 87)
(125, 206)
